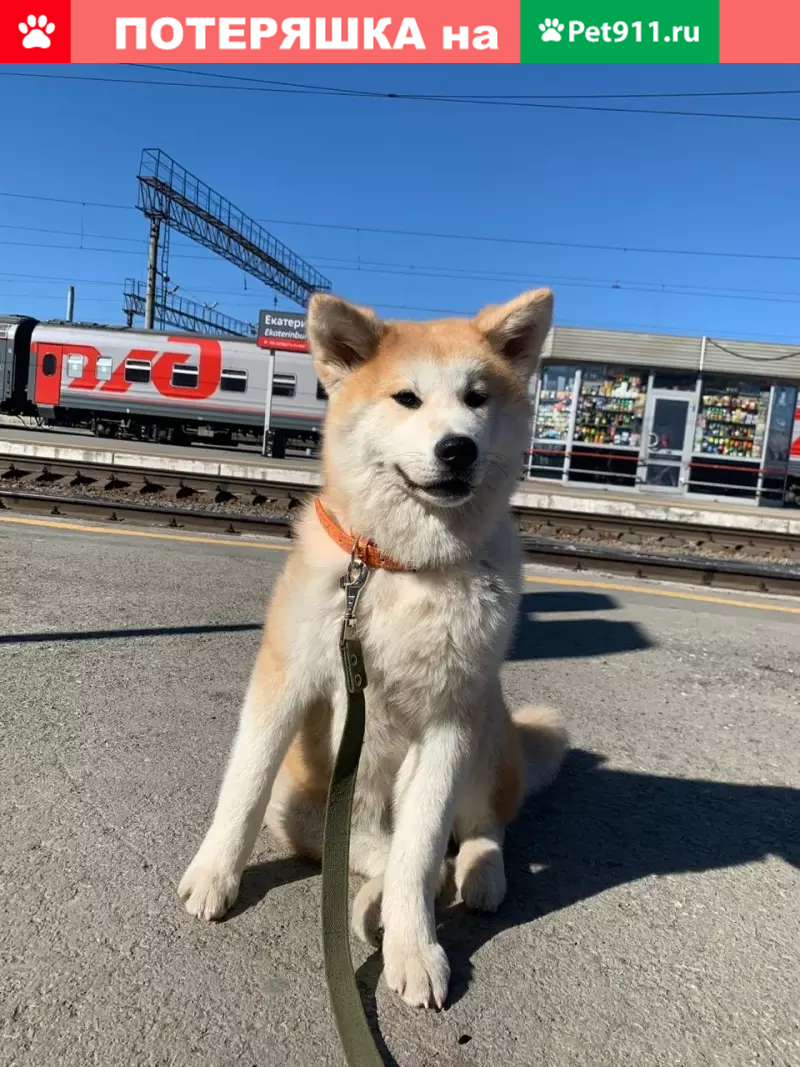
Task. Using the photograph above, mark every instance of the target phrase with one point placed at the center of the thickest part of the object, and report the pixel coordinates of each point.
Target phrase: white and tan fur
(442, 755)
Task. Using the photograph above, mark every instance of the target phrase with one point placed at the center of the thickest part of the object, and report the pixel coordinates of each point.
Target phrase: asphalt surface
(653, 907)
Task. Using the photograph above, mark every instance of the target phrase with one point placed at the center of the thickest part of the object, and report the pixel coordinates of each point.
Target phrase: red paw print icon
(35, 35)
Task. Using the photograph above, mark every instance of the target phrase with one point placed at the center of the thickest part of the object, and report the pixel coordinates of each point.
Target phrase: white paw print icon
(551, 29)
(36, 36)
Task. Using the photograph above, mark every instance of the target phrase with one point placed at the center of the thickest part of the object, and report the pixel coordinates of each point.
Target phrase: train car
(15, 342)
(159, 385)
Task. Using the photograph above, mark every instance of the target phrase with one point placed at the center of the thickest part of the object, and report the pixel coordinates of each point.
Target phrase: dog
(425, 427)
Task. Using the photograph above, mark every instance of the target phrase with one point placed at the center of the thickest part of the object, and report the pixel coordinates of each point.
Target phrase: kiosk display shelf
(554, 408)
(610, 409)
(732, 420)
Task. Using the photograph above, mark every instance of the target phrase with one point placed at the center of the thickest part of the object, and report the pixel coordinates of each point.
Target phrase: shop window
(552, 420)
(49, 364)
(185, 376)
(103, 368)
(233, 381)
(75, 366)
(284, 385)
(610, 408)
(554, 407)
(137, 370)
(733, 418)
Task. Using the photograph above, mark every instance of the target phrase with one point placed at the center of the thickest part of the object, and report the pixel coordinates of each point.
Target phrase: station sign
(283, 330)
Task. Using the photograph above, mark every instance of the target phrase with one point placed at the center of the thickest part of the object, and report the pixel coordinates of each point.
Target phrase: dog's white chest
(427, 639)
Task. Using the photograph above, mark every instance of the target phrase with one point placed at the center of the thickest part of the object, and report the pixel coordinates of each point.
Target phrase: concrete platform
(248, 464)
(652, 912)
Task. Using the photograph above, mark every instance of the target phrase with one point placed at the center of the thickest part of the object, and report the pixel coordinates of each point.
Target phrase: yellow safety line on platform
(271, 546)
(152, 534)
(676, 594)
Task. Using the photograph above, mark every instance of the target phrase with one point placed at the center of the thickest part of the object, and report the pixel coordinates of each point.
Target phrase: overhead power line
(470, 101)
(65, 200)
(656, 288)
(443, 236)
(374, 93)
(584, 246)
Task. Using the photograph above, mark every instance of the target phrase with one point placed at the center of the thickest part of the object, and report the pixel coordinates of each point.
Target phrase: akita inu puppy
(424, 433)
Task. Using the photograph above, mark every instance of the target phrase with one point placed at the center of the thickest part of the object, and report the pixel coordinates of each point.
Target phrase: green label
(620, 31)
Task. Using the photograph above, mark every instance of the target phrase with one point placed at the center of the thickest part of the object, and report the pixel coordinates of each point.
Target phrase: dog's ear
(342, 337)
(517, 330)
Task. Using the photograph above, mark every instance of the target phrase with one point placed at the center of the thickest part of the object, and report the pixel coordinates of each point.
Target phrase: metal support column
(268, 401)
(152, 274)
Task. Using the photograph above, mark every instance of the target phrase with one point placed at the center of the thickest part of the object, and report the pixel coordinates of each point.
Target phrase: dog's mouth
(450, 490)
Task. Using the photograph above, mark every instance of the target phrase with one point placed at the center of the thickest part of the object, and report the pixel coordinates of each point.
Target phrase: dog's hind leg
(297, 819)
(479, 829)
(488, 801)
(520, 755)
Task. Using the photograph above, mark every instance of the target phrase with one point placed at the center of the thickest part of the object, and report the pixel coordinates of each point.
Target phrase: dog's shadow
(259, 879)
(598, 828)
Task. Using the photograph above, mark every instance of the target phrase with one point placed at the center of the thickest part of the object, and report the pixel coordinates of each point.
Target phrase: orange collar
(360, 547)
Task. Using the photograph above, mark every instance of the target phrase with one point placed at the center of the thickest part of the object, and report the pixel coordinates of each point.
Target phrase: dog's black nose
(457, 452)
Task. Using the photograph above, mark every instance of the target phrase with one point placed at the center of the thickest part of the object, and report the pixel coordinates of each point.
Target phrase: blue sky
(311, 163)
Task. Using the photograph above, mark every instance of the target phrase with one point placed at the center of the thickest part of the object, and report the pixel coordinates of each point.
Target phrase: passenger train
(156, 386)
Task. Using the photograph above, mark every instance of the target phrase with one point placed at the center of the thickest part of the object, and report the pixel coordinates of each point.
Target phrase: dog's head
(426, 422)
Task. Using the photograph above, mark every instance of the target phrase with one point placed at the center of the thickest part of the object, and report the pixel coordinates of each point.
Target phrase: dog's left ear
(517, 330)
(342, 337)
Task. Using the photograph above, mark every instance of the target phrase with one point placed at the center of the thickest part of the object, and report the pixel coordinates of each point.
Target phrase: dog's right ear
(342, 337)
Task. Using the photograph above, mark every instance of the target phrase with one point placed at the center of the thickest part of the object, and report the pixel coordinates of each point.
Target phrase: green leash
(359, 1047)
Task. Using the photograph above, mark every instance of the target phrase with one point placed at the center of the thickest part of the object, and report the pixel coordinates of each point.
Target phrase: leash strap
(359, 1047)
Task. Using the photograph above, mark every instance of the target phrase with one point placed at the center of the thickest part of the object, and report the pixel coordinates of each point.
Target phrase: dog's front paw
(419, 972)
(206, 890)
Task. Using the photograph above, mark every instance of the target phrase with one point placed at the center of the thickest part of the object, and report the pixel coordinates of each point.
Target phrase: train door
(48, 374)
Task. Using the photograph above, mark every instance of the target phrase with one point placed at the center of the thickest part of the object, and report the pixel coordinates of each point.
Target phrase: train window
(103, 368)
(49, 364)
(74, 366)
(137, 370)
(284, 385)
(233, 381)
(321, 394)
(185, 374)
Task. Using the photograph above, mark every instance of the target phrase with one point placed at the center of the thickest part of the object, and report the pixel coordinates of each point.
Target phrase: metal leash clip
(353, 581)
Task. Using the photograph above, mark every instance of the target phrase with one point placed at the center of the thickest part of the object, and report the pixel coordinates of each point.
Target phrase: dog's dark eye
(475, 399)
(407, 399)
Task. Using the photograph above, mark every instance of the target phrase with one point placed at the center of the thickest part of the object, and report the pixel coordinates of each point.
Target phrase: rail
(649, 549)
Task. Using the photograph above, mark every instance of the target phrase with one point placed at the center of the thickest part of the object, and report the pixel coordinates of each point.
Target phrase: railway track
(646, 549)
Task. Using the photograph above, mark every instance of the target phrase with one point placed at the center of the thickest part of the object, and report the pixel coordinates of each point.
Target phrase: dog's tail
(544, 741)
